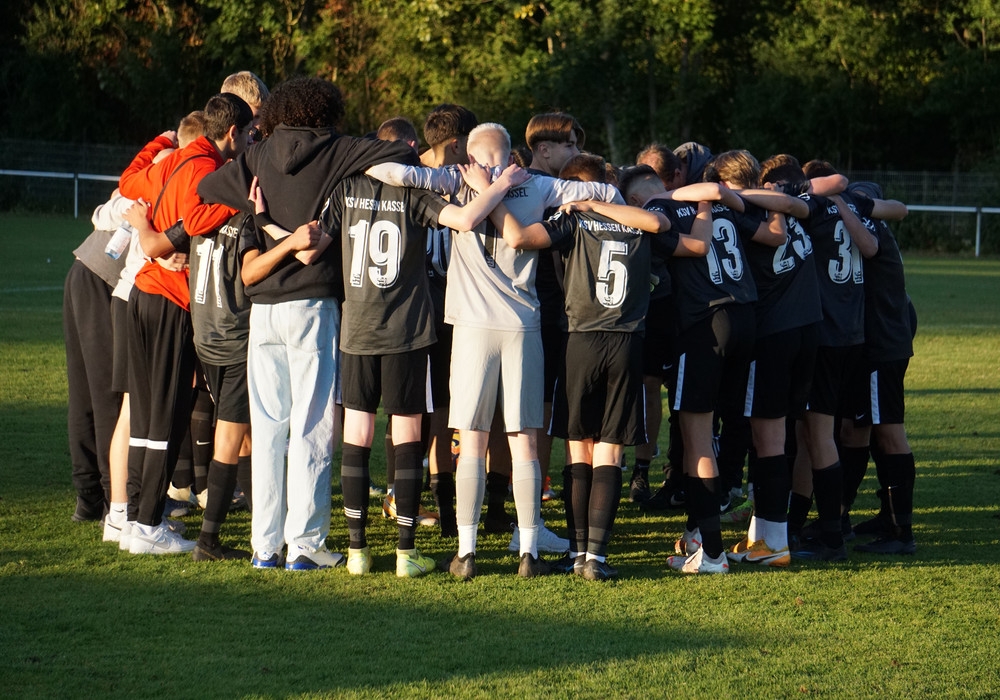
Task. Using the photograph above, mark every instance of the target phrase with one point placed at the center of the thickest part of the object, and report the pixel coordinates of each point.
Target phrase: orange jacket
(178, 181)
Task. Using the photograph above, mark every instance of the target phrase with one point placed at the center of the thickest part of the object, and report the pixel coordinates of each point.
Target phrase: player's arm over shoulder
(444, 181)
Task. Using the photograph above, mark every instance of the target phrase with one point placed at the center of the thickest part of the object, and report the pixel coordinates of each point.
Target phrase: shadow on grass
(233, 632)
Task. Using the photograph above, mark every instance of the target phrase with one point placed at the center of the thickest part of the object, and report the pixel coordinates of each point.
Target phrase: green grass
(79, 619)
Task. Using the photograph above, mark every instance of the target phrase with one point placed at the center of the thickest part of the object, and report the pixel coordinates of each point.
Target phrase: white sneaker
(548, 541)
(125, 536)
(699, 563)
(689, 543)
(113, 531)
(158, 540)
(302, 559)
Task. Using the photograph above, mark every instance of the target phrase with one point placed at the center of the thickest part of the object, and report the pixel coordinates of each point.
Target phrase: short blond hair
(490, 129)
(191, 127)
(248, 86)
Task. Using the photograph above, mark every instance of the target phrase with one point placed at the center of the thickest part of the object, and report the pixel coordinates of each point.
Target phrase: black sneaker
(664, 499)
(888, 545)
(812, 530)
(87, 511)
(594, 570)
(878, 526)
(638, 487)
(817, 551)
(530, 566)
(461, 567)
(203, 552)
(567, 564)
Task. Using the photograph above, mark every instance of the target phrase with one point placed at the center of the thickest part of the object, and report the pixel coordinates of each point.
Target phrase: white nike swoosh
(202, 443)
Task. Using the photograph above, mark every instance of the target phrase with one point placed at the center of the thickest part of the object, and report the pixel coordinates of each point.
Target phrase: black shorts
(835, 367)
(714, 358)
(228, 386)
(599, 395)
(876, 394)
(400, 380)
(659, 349)
(553, 348)
(119, 346)
(439, 359)
(781, 373)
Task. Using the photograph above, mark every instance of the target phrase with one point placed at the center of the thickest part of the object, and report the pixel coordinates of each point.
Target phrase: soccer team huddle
(507, 297)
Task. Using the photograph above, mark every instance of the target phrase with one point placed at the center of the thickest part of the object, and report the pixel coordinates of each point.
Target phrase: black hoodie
(298, 168)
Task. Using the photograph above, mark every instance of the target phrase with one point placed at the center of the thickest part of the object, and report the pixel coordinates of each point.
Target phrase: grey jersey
(220, 308)
(491, 285)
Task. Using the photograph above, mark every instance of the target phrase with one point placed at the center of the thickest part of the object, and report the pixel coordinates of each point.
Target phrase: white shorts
(486, 364)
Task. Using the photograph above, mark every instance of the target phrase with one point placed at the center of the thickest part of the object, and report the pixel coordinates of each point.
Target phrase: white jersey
(491, 285)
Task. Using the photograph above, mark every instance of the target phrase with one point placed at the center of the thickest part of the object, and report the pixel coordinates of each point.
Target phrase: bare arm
(864, 239)
(772, 231)
(153, 243)
(695, 244)
(889, 209)
(530, 237)
(305, 256)
(828, 185)
(773, 200)
(707, 192)
(634, 217)
(467, 217)
(257, 266)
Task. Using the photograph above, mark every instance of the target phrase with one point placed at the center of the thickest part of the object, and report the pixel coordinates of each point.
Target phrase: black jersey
(606, 272)
(383, 229)
(437, 256)
(787, 288)
(220, 308)
(888, 334)
(839, 271)
(723, 276)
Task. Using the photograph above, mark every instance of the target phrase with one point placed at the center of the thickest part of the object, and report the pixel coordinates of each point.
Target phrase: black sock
(390, 456)
(703, 508)
(798, 510)
(496, 493)
(576, 497)
(770, 488)
(244, 477)
(854, 461)
(221, 482)
(354, 481)
(828, 488)
(901, 472)
(408, 478)
(443, 488)
(605, 494)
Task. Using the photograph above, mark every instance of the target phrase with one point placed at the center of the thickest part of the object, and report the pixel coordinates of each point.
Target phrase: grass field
(80, 619)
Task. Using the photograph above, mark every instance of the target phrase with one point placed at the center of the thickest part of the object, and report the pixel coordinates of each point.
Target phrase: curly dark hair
(308, 102)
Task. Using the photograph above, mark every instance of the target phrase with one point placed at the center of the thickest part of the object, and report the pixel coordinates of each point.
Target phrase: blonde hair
(486, 130)
(248, 86)
(191, 127)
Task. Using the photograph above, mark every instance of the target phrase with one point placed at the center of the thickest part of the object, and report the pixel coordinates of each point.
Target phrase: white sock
(118, 513)
(755, 531)
(466, 540)
(597, 557)
(776, 535)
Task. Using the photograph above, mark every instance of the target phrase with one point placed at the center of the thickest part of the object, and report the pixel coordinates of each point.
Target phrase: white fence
(77, 177)
(978, 211)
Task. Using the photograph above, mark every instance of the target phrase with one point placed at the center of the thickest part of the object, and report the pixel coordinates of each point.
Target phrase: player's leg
(314, 426)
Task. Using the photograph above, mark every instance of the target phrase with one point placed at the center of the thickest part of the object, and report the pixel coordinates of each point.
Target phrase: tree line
(866, 84)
